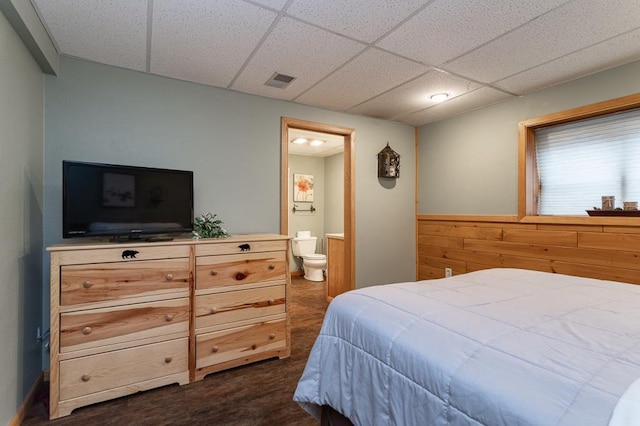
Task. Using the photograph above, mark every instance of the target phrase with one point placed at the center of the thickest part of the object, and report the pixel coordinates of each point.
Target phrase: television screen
(125, 201)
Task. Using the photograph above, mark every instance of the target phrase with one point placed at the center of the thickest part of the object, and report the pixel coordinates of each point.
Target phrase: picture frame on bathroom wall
(302, 188)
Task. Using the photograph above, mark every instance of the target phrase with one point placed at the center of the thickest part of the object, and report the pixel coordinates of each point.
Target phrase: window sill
(583, 220)
(554, 220)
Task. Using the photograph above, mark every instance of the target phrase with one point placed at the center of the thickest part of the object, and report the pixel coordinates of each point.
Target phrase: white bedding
(493, 347)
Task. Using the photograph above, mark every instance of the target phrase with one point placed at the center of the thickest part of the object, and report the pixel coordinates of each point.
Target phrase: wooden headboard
(609, 251)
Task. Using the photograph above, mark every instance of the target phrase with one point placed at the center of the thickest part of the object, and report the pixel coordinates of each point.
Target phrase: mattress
(492, 347)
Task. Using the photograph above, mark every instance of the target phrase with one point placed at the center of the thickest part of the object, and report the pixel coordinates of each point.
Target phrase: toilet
(304, 246)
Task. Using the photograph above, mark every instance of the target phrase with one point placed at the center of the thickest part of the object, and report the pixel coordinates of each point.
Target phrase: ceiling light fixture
(300, 141)
(439, 97)
(316, 142)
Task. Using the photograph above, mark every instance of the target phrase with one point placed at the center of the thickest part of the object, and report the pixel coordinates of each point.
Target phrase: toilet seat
(314, 256)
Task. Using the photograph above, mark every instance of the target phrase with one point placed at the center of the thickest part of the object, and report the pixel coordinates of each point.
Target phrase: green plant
(208, 226)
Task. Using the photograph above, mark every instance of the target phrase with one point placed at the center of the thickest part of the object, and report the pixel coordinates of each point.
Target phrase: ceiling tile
(468, 102)
(205, 41)
(112, 32)
(414, 95)
(365, 20)
(447, 29)
(318, 52)
(551, 36)
(611, 53)
(274, 4)
(368, 75)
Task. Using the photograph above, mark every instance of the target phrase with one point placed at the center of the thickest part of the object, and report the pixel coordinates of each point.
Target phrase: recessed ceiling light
(316, 142)
(300, 140)
(439, 97)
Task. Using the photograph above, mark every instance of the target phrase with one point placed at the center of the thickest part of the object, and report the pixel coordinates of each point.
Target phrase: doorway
(290, 124)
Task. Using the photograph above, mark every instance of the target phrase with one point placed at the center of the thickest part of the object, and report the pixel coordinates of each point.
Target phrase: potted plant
(208, 226)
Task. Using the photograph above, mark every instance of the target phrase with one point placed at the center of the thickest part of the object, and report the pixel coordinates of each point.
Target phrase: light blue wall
(21, 164)
(232, 143)
(334, 199)
(469, 164)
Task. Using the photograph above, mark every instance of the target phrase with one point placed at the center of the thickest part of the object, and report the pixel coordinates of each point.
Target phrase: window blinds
(581, 161)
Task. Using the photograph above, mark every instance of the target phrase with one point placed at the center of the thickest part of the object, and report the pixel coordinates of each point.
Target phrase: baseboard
(297, 273)
(26, 404)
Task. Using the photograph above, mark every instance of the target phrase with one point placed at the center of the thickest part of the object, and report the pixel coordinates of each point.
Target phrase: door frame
(349, 185)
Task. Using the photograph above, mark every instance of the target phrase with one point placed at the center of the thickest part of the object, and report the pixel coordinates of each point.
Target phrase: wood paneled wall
(598, 251)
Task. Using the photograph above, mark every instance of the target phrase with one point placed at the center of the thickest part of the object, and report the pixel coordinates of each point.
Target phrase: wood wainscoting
(465, 244)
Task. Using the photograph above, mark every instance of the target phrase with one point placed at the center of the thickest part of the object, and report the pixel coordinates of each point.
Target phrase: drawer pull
(214, 349)
(213, 310)
(270, 302)
(240, 276)
(86, 330)
(272, 336)
(168, 317)
(167, 360)
(87, 284)
(169, 277)
(86, 377)
(272, 266)
(254, 346)
(214, 272)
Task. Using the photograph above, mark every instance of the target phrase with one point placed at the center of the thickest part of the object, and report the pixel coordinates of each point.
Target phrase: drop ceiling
(377, 58)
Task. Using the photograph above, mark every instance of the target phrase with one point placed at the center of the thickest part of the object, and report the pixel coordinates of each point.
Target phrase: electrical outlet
(447, 272)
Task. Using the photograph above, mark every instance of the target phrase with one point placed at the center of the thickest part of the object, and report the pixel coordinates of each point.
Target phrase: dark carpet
(255, 394)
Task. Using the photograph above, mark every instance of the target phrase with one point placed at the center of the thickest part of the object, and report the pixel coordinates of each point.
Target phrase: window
(579, 162)
(569, 160)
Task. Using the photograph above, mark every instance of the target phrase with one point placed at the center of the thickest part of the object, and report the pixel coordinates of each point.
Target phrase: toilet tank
(303, 246)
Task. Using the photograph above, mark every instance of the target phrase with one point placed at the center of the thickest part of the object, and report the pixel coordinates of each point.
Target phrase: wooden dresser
(131, 317)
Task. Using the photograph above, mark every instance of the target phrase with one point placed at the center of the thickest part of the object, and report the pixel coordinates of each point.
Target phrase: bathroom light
(316, 142)
(439, 97)
(300, 140)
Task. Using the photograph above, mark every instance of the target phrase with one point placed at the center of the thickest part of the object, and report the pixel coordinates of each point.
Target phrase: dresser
(130, 317)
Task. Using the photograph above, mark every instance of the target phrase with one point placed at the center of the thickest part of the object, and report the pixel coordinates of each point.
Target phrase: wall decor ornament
(388, 163)
(302, 188)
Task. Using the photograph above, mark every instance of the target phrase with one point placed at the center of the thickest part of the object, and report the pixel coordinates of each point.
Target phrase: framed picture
(118, 190)
(302, 188)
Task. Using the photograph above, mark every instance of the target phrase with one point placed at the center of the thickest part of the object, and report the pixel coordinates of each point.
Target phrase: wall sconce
(388, 163)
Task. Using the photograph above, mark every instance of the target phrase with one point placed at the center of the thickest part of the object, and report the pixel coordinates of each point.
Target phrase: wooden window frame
(528, 187)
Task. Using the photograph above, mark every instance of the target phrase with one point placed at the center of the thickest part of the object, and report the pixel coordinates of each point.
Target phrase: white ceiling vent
(281, 81)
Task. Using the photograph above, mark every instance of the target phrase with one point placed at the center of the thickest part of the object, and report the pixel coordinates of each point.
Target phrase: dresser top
(91, 244)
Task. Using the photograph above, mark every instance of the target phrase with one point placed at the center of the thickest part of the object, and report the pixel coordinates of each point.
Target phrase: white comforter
(495, 347)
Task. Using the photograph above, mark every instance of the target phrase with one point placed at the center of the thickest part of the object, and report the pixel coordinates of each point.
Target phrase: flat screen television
(108, 200)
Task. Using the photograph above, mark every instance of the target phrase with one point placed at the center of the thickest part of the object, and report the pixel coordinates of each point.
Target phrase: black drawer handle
(244, 247)
(129, 254)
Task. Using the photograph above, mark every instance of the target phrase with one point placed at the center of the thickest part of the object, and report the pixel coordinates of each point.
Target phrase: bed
(492, 347)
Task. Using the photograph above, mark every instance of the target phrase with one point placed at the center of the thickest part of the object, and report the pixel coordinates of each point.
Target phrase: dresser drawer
(240, 246)
(237, 343)
(122, 253)
(128, 323)
(230, 270)
(231, 306)
(98, 282)
(95, 373)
